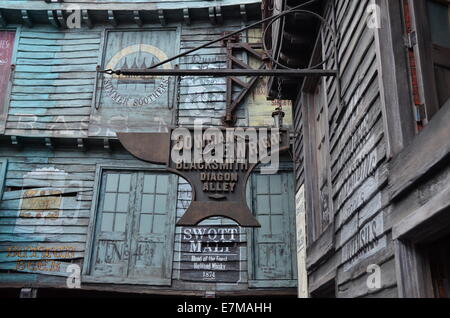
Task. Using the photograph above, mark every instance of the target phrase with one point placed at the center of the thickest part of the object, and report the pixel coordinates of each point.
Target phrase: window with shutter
(133, 237)
(273, 259)
(429, 32)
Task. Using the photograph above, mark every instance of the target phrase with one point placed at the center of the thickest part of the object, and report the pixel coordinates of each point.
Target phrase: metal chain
(280, 103)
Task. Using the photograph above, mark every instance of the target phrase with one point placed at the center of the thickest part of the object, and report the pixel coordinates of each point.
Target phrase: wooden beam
(243, 11)
(112, 18)
(239, 62)
(52, 18)
(137, 17)
(86, 18)
(426, 152)
(61, 19)
(187, 16)
(239, 82)
(437, 205)
(26, 18)
(161, 17)
(251, 50)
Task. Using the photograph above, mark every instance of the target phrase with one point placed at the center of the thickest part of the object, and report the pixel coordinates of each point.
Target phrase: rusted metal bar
(227, 72)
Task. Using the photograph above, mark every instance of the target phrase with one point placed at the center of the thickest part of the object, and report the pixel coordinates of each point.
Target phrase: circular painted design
(136, 91)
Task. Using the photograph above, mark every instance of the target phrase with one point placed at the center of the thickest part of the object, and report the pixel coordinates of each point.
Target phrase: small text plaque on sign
(210, 254)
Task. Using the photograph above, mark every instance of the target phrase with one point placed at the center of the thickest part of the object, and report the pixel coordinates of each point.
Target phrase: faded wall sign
(301, 243)
(210, 254)
(51, 203)
(365, 243)
(128, 102)
(133, 50)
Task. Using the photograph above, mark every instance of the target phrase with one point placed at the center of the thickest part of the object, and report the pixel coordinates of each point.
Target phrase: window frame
(425, 58)
(90, 238)
(285, 167)
(4, 109)
(319, 245)
(98, 83)
(3, 170)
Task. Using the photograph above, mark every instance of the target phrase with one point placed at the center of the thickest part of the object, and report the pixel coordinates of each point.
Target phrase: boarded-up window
(6, 53)
(273, 245)
(134, 103)
(134, 231)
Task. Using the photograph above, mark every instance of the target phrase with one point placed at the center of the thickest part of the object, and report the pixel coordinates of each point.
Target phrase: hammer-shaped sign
(216, 167)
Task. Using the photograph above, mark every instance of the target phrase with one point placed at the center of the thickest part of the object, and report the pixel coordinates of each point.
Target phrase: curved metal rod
(110, 71)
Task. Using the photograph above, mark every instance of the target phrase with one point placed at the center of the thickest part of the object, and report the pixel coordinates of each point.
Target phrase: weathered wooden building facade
(75, 202)
(372, 146)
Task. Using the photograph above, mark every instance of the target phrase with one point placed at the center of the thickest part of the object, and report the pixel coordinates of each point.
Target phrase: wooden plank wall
(204, 98)
(123, 4)
(37, 248)
(47, 244)
(357, 158)
(299, 164)
(54, 80)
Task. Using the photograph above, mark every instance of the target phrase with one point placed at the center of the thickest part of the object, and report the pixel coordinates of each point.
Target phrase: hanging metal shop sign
(217, 163)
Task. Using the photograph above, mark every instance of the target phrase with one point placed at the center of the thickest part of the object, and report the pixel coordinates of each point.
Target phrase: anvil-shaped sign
(217, 163)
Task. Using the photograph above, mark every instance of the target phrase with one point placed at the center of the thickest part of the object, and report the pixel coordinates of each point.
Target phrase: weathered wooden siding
(357, 157)
(204, 98)
(121, 4)
(46, 210)
(54, 80)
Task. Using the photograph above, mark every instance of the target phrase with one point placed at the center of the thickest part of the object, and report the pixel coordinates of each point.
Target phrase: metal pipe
(226, 72)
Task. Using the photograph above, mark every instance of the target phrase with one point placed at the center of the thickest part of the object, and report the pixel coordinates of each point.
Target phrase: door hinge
(410, 39)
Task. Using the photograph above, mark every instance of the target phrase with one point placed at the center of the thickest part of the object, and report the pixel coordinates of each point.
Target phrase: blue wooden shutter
(273, 258)
(113, 226)
(153, 229)
(134, 232)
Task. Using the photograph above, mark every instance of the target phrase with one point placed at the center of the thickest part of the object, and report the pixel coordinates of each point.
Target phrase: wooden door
(153, 229)
(135, 225)
(111, 247)
(273, 249)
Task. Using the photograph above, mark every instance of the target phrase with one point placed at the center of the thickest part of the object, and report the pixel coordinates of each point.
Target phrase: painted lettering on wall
(365, 243)
(210, 254)
(40, 259)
